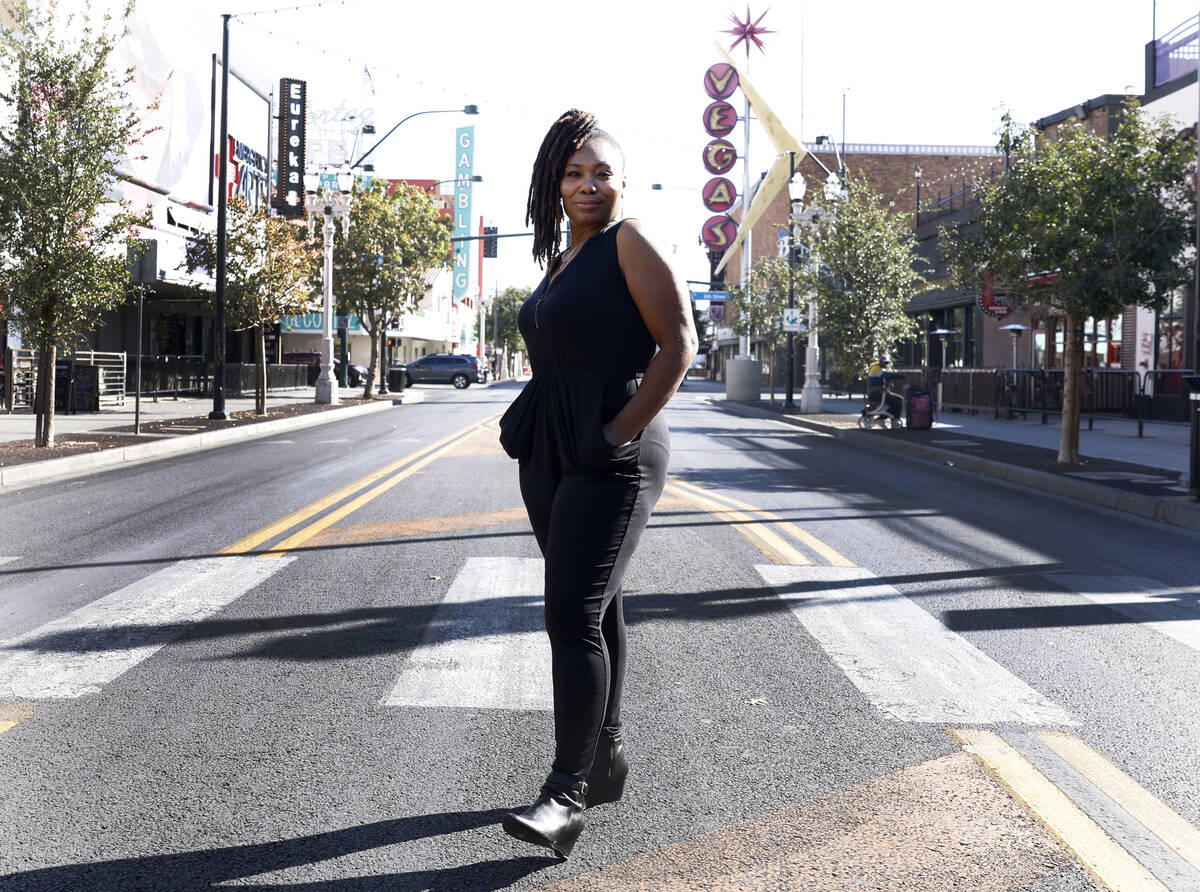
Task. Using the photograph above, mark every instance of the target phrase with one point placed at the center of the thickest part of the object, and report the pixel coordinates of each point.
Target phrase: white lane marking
(486, 647)
(79, 653)
(905, 661)
(1172, 611)
(331, 442)
(6, 560)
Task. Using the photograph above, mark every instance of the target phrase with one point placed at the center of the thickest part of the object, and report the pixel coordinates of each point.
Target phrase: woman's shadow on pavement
(221, 868)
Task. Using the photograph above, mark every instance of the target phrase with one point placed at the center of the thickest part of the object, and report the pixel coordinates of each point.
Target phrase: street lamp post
(465, 110)
(328, 207)
(795, 196)
(1015, 329)
(475, 179)
(810, 397)
(485, 304)
(218, 409)
(942, 334)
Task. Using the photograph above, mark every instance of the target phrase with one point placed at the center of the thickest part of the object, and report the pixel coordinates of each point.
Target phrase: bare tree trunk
(373, 333)
(260, 370)
(44, 399)
(1068, 444)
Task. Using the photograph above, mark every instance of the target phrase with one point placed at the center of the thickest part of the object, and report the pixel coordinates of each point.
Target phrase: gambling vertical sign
(289, 196)
(464, 162)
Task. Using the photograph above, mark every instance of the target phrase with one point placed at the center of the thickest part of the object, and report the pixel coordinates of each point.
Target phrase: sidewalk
(94, 441)
(1145, 476)
(20, 425)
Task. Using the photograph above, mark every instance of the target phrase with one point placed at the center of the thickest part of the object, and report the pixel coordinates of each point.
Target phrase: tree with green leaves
(66, 122)
(506, 307)
(1080, 227)
(397, 235)
(862, 271)
(269, 268)
(756, 310)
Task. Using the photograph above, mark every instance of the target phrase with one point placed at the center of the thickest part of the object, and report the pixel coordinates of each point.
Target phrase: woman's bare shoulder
(635, 242)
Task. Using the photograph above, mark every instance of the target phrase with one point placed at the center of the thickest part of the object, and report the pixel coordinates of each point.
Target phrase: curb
(1180, 514)
(92, 462)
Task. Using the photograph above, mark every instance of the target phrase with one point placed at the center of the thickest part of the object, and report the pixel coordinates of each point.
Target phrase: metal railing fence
(1154, 395)
(177, 376)
(109, 375)
(1175, 52)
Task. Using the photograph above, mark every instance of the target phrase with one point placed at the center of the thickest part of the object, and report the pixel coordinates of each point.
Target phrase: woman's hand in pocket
(612, 437)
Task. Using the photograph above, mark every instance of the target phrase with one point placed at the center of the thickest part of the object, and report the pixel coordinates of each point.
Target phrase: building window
(1169, 328)
(1101, 343)
(1045, 337)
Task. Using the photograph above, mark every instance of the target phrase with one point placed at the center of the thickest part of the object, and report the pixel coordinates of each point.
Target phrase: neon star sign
(748, 30)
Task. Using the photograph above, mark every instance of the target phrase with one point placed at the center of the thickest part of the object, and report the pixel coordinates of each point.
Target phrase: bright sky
(934, 71)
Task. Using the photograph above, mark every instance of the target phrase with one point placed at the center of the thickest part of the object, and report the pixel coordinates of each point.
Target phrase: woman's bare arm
(666, 308)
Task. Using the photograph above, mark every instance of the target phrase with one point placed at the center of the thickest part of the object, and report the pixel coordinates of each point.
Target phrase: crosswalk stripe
(79, 653)
(486, 647)
(1154, 814)
(1173, 611)
(1100, 854)
(905, 661)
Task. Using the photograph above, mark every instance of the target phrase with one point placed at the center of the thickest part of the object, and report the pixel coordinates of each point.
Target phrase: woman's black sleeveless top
(587, 343)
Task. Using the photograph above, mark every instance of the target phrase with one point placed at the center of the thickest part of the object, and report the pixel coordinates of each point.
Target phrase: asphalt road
(316, 662)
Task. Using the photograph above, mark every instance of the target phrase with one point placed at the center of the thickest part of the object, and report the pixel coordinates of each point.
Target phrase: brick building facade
(901, 174)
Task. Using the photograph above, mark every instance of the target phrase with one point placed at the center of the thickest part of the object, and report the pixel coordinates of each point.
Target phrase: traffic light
(490, 241)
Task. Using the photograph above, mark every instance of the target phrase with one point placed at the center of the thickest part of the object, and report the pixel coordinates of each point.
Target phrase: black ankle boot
(606, 782)
(555, 819)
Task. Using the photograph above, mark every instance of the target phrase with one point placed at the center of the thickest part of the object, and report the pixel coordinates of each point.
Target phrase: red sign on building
(719, 194)
(719, 156)
(718, 232)
(720, 118)
(720, 81)
(994, 303)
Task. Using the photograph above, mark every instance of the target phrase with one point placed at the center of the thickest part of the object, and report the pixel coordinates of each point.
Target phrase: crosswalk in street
(345, 683)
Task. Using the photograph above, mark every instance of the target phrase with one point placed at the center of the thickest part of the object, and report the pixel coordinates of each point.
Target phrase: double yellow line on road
(765, 531)
(379, 481)
(1107, 860)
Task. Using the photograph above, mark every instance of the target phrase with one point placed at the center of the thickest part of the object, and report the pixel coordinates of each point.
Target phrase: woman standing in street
(610, 338)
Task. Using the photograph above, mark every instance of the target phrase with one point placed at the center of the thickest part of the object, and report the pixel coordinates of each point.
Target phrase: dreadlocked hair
(544, 210)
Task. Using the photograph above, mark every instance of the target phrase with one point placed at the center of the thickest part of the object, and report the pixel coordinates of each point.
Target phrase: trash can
(1193, 384)
(395, 378)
